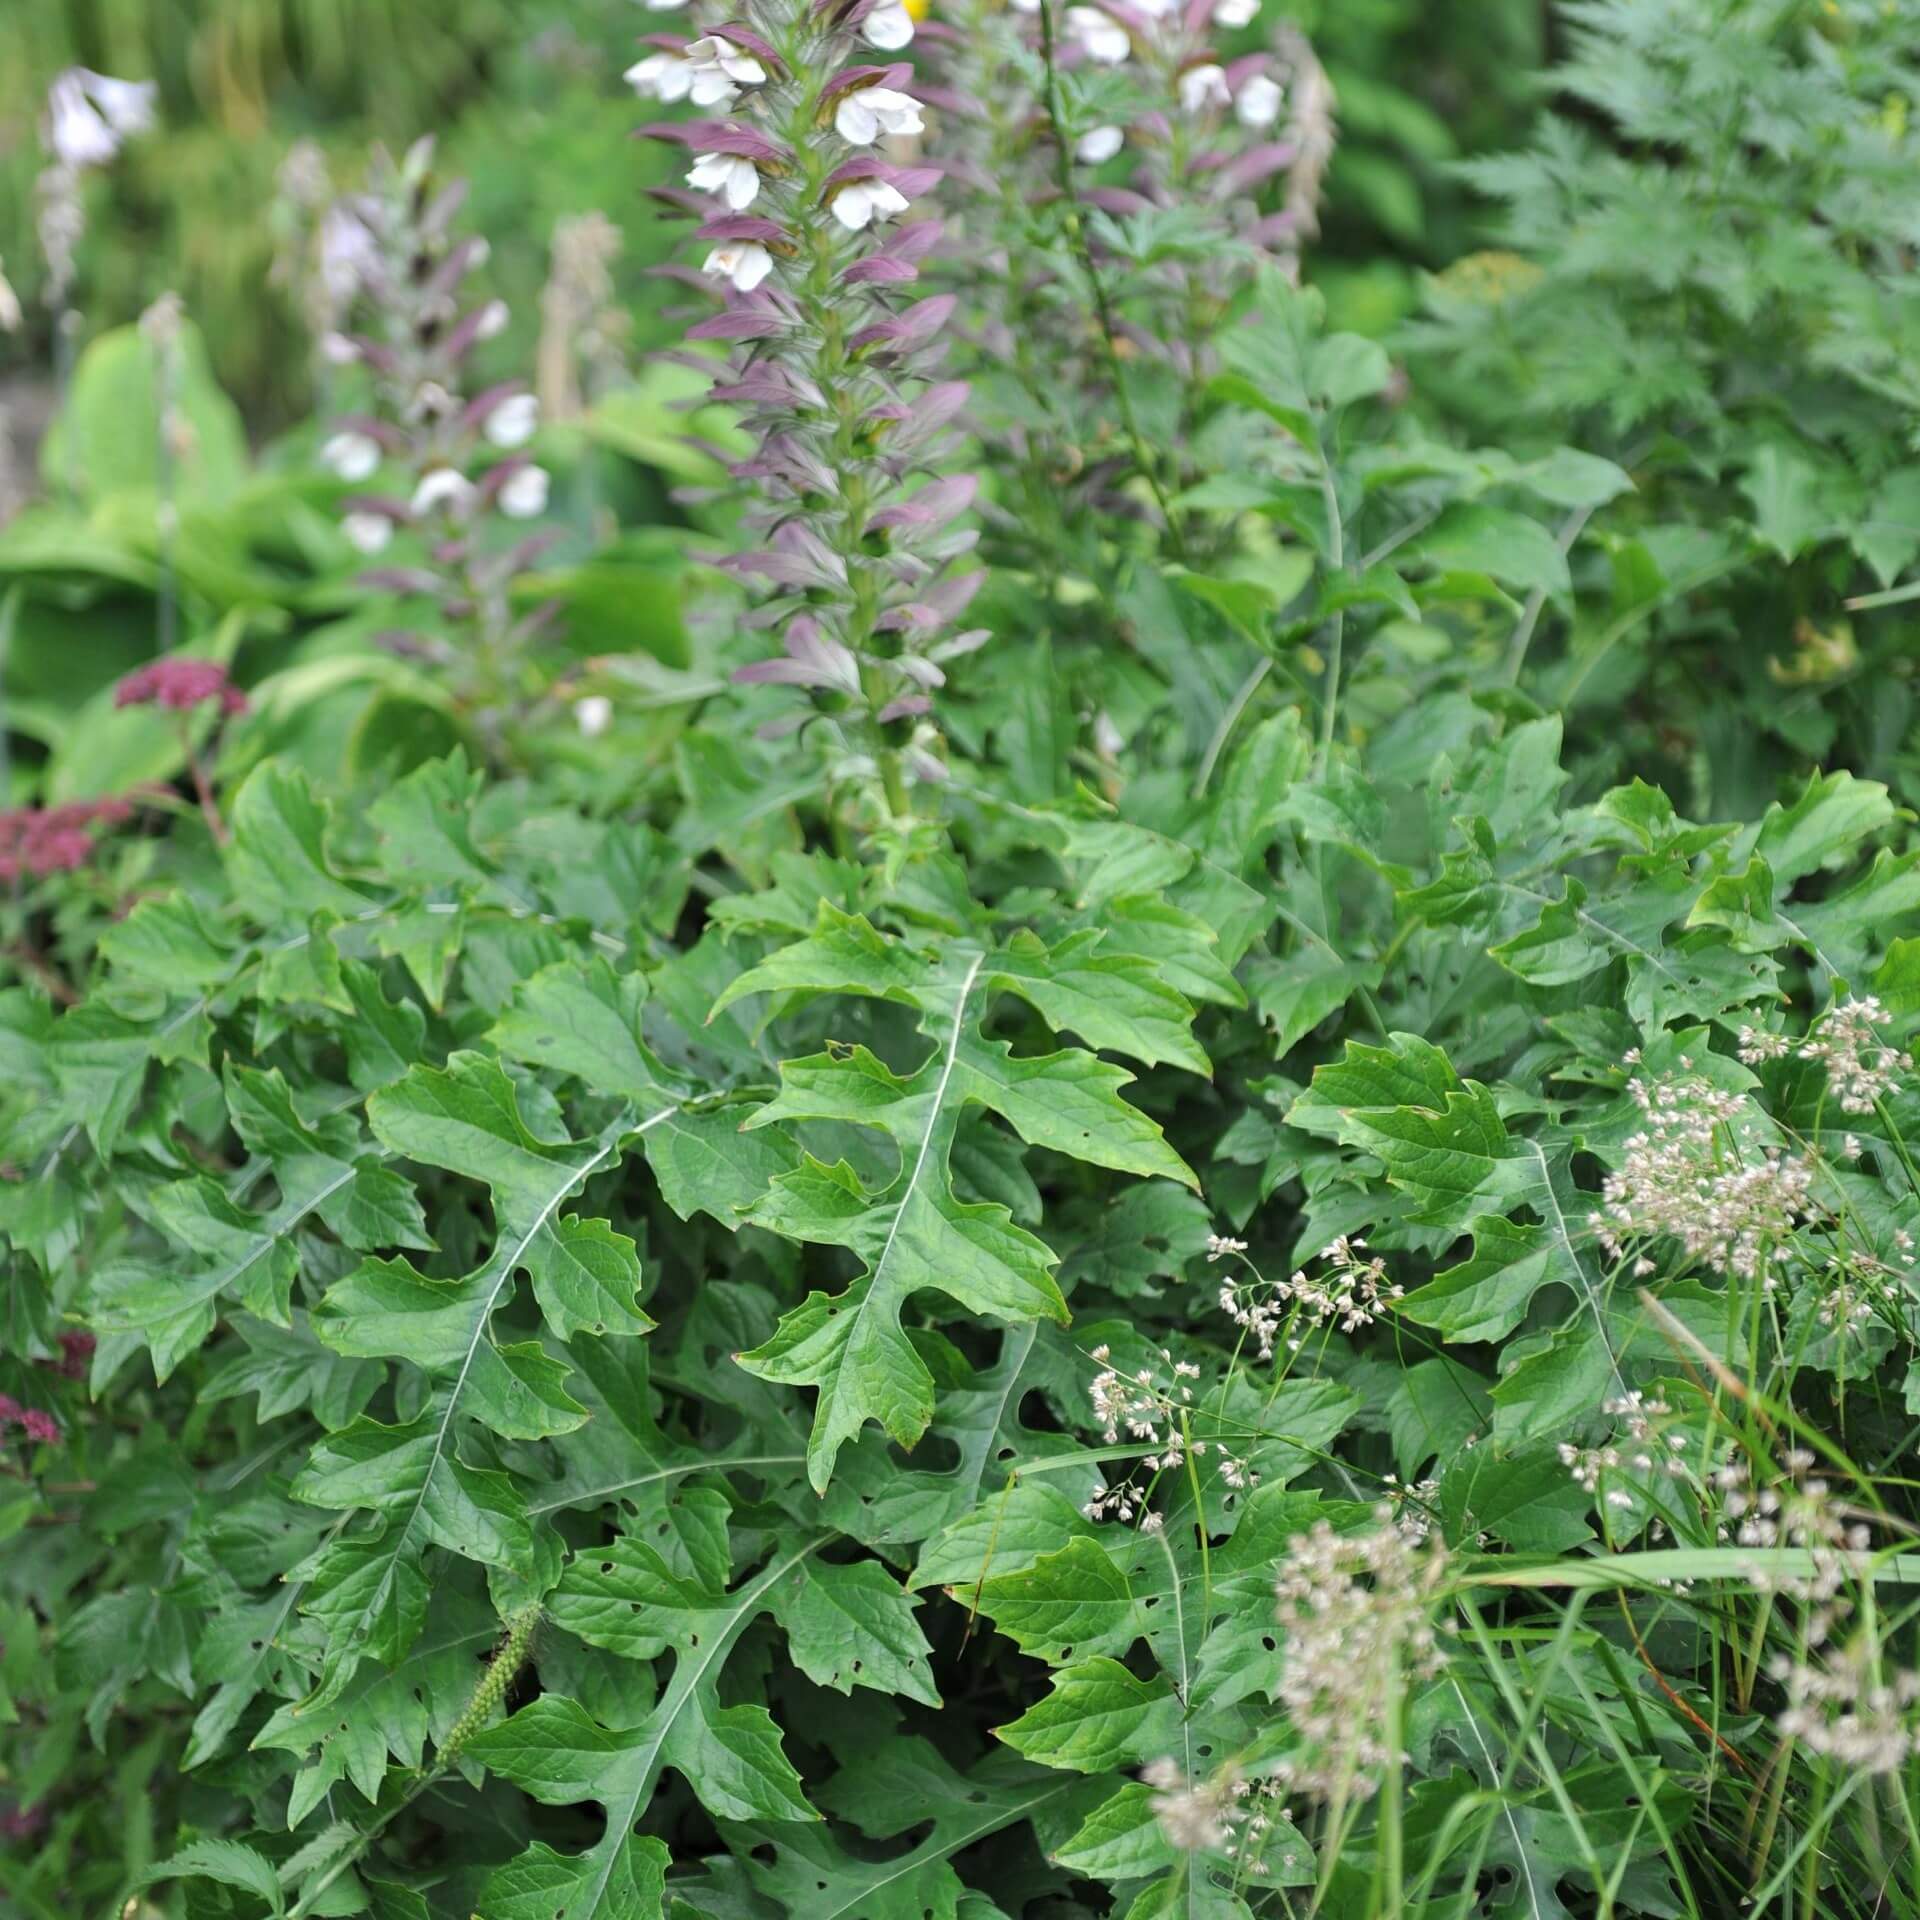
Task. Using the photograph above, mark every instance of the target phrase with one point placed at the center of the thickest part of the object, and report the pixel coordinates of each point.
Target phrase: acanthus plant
(811, 243)
(447, 468)
(1125, 188)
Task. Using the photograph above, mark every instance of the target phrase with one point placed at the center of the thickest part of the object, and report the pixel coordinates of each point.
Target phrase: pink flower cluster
(31, 1421)
(76, 1349)
(180, 685)
(38, 841)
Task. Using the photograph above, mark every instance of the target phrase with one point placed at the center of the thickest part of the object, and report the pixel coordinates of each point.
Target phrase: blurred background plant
(516, 89)
(518, 93)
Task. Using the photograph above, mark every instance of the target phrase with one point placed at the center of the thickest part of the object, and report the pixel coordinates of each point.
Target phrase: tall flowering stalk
(811, 247)
(1131, 186)
(466, 487)
(89, 117)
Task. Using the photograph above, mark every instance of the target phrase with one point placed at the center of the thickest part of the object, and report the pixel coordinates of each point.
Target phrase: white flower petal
(743, 262)
(1203, 88)
(369, 532)
(1258, 102)
(888, 26)
(352, 456)
(514, 421)
(1103, 37)
(1098, 145)
(442, 487)
(524, 497)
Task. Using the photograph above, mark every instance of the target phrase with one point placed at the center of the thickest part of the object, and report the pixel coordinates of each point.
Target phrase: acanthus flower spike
(462, 483)
(802, 255)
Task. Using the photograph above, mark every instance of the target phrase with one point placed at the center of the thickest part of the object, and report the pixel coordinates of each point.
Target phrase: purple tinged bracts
(458, 481)
(805, 181)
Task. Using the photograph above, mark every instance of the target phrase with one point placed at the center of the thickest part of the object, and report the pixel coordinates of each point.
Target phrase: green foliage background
(569, 1264)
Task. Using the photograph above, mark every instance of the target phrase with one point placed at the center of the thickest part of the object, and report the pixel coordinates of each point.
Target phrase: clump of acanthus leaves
(813, 235)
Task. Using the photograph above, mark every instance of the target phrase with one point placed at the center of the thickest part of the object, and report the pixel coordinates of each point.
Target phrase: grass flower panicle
(1357, 1613)
(1698, 1172)
(1846, 1707)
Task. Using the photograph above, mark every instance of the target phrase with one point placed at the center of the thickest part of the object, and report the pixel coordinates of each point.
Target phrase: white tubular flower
(861, 202)
(524, 497)
(1103, 37)
(127, 104)
(744, 262)
(1258, 103)
(368, 532)
(730, 175)
(718, 71)
(1203, 88)
(1099, 144)
(441, 488)
(665, 6)
(348, 253)
(593, 715)
(514, 421)
(661, 76)
(493, 320)
(889, 26)
(1234, 14)
(868, 112)
(76, 135)
(352, 456)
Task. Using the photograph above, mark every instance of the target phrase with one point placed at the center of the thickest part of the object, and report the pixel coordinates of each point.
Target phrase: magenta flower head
(180, 685)
(76, 1349)
(808, 244)
(38, 841)
(40, 1426)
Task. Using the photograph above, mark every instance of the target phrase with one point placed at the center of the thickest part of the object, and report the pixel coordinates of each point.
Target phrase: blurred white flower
(524, 497)
(861, 202)
(89, 116)
(1203, 88)
(1234, 14)
(744, 262)
(1258, 102)
(661, 76)
(75, 134)
(593, 715)
(730, 175)
(1098, 145)
(369, 532)
(1103, 37)
(865, 114)
(889, 26)
(441, 488)
(353, 456)
(493, 320)
(514, 421)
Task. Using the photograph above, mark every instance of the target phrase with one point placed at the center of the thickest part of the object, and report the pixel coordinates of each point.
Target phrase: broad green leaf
(914, 1235)
(730, 1756)
(1098, 1716)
